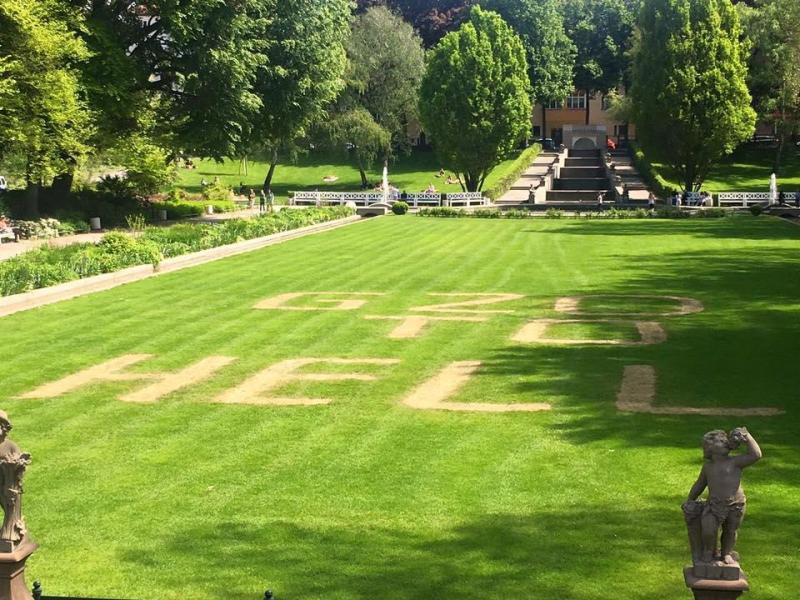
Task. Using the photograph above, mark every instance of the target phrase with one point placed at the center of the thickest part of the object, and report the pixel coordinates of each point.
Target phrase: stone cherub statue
(724, 509)
(12, 467)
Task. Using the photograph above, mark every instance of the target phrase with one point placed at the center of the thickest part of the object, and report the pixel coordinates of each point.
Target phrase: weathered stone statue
(15, 545)
(12, 467)
(714, 523)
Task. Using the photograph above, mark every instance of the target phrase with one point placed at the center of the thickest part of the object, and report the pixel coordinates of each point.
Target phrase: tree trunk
(587, 106)
(362, 172)
(272, 164)
(544, 122)
(471, 181)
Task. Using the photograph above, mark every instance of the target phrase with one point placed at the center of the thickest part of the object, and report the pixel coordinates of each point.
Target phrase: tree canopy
(42, 114)
(689, 92)
(775, 67)
(303, 72)
(475, 97)
(602, 33)
(550, 53)
(385, 66)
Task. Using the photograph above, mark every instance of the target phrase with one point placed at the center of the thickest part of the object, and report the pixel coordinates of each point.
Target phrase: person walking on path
(262, 202)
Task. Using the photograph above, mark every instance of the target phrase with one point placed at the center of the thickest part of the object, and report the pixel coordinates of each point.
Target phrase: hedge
(521, 164)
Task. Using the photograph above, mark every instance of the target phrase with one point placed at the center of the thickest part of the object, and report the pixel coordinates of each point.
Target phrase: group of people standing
(690, 199)
(266, 199)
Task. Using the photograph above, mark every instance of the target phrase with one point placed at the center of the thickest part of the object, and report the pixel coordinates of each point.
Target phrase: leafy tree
(550, 53)
(385, 67)
(775, 67)
(42, 116)
(602, 32)
(689, 94)
(368, 140)
(303, 74)
(475, 97)
(204, 57)
(113, 84)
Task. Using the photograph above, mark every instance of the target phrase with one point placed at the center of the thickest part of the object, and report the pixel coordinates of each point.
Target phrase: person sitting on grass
(431, 189)
(451, 180)
(441, 173)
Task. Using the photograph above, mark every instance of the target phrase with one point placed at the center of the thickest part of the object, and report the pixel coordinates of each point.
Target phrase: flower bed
(49, 266)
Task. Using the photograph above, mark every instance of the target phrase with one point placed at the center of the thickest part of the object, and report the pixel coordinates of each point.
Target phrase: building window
(555, 104)
(576, 101)
(606, 103)
(537, 132)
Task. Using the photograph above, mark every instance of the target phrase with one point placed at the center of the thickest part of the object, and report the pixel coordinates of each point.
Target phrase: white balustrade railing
(466, 199)
(423, 199)
(323, 198)
(744, 198)
(750, 198)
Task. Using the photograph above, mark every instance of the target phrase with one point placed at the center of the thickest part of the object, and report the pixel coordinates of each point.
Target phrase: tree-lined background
(142, 86)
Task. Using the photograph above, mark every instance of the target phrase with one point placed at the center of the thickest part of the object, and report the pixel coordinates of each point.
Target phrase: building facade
(572, 111)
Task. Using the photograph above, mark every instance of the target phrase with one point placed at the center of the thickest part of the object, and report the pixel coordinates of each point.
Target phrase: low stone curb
(89, 285)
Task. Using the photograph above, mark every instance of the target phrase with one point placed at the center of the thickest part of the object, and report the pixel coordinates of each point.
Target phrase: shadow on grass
(744, 228)
(580, 552)
(575, 553)
(738, 353)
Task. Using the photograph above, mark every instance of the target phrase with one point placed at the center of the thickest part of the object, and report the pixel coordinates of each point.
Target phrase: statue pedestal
(715, 589)
(12, 572)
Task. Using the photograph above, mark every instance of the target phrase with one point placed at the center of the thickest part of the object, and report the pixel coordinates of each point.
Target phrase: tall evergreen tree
(475, 96)
(690, 98)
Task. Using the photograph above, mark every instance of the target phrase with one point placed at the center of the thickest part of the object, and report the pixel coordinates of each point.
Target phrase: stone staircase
(581, 179)
(624, 168)
(519, 192)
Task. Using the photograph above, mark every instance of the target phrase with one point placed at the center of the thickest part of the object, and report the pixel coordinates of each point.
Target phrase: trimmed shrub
(756, 210)
(400, 208)
(442, 211)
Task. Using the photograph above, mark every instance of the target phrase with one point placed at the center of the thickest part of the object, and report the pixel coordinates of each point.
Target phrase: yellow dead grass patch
(433, 394)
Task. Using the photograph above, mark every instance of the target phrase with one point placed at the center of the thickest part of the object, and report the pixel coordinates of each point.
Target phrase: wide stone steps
(581, 162)
(578, 183)
(573, 195)
(584, 154)
(581, 172)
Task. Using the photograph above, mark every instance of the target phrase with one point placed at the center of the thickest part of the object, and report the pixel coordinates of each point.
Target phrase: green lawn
(368, 498)
(412, 173)
(748, 169)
